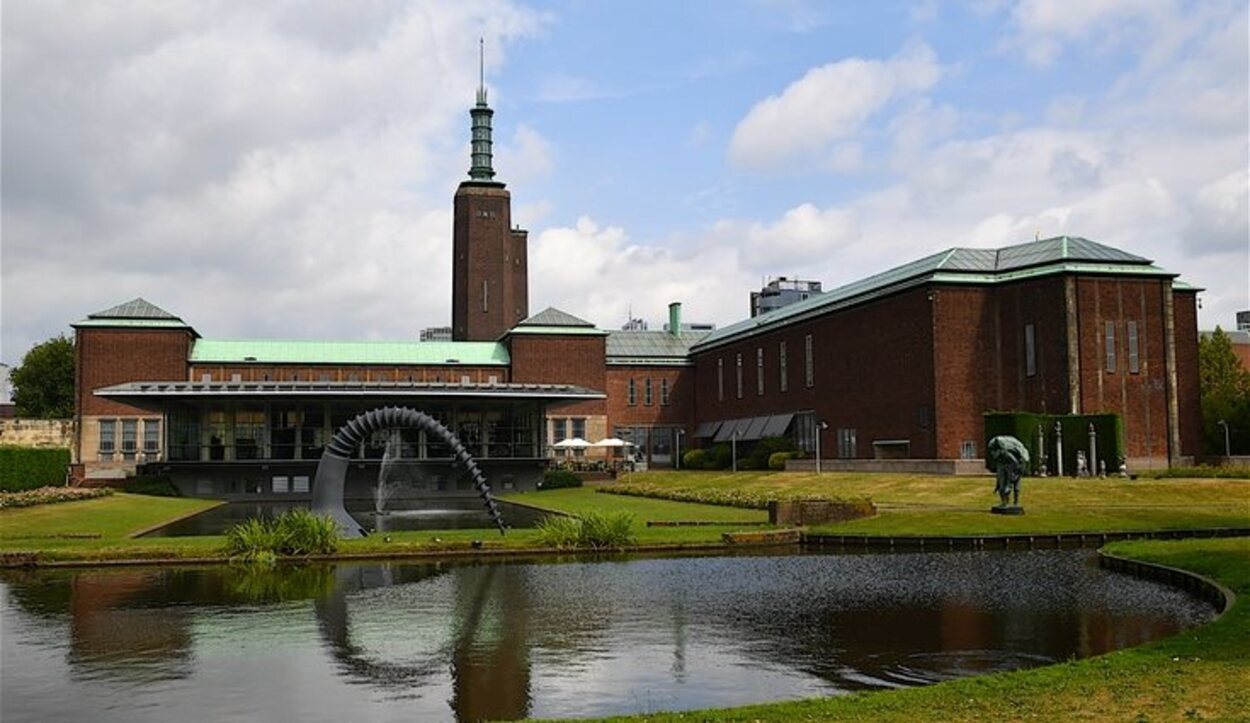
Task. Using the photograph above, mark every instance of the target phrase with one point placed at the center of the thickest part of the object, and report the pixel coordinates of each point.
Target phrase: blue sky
(286, 169)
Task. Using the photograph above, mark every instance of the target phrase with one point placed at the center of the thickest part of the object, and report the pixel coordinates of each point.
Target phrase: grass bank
(1203, 674)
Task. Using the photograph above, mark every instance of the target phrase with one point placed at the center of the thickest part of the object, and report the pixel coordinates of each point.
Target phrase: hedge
(1024, 427)
(747, 499)
(556, 479)
(28, 468)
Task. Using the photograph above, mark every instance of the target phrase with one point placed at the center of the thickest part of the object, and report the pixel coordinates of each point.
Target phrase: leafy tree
(43, 384)
(1225, 388)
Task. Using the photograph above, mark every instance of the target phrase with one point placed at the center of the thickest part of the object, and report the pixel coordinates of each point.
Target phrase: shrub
(1225, 472)
(595, 530)
(27, 468)
(50, 495)
(761, 454)
(719, 456)
(694, 459)
(752, 500)
(777, 460)
(554, 479)
(295, 532)
(154, 485)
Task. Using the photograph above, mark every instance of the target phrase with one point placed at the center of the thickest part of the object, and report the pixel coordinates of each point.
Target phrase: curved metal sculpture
(1007, 457)
(332, 469)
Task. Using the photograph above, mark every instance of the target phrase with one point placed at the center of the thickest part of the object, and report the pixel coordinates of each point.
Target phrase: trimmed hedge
(777, 460)
(28, 468)
(1024, 427)
(694, 459)
(1232, 471)
(154, 485)
(725, 497)
(556, 479)
(761, 453)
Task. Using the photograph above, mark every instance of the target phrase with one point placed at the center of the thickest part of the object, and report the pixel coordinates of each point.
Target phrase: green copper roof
(268, 351)
(552, 316)
(1062, 254)
(650, 347)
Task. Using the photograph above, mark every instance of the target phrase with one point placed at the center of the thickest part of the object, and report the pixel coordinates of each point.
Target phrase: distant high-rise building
(436, 333)
(1243, 321)
(781, 292)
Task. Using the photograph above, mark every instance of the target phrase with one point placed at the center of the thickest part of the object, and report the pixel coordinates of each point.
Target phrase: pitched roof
(306, 351)
(136, 313)
(551, 316)
(956, 266)
(650, 347)
(554, 321)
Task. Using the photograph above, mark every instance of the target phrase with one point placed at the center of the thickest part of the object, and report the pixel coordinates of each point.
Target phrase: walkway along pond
(559, 638)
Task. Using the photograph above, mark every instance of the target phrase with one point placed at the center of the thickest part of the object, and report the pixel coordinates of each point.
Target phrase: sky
(286, 169)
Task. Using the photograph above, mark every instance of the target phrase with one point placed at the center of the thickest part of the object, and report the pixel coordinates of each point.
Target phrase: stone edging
(1191, 582)
(1030, 541)
(152, 528)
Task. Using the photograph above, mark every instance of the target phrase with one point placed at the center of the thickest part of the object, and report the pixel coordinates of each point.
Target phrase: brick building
(897, 366)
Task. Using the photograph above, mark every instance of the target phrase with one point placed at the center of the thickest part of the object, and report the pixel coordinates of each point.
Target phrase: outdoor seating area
(607, 455)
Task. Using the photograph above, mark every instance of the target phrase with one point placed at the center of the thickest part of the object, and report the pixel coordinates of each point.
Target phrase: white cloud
(525, 157)
(829, 103)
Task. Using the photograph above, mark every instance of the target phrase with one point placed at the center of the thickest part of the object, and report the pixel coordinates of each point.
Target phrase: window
(1110, 346)
(809, 366)
(281, 484)
(804, 431)
(130, 438)
(559, 429)
(720, 379)
(579, 428)
(759, 371)
(783, 382)
(846, 442)
(108, 438)
(1030, 353)
(663, 392)
(485, 296)
(968, 450)
(739, 371)
(299, 483)
(646, 392)
(1134, 359)
(151, 436)
(633, 392)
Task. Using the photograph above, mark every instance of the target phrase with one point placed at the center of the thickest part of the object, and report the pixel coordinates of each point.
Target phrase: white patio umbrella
(572, 443)
(612, 442)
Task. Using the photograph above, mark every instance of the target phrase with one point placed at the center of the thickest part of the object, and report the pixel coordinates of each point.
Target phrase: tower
(490, 288)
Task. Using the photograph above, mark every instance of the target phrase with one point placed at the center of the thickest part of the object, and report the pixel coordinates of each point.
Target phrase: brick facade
(490, 289)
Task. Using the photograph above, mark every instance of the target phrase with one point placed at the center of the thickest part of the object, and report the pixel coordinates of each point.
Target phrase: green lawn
(944, 505)
(1203, 674)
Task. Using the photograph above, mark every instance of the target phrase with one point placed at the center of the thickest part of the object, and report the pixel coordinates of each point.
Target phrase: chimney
(674, 318)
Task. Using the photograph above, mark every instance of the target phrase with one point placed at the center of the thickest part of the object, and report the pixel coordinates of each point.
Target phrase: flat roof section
(308, 351)
(148, 393)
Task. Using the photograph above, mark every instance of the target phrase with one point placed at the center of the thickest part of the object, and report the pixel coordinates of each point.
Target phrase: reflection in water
(502, 641)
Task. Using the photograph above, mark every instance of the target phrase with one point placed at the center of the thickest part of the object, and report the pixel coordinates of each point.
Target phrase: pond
(444, 513)
(505, 640)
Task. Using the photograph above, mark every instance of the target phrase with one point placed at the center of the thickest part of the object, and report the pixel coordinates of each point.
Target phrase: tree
(43, 384)
(1225, 389)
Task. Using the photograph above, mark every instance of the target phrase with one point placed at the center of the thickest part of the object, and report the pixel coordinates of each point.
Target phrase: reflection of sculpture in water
(1007, 457)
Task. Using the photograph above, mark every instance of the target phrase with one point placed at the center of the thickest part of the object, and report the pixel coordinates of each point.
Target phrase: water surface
(469, 641)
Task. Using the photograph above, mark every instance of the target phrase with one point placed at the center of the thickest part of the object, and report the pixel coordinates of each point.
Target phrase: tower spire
(480, 169)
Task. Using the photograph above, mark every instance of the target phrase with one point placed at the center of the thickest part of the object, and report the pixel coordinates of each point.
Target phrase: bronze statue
(1007, 457)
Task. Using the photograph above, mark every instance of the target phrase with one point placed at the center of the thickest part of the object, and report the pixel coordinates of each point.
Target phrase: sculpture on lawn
(1007, 457)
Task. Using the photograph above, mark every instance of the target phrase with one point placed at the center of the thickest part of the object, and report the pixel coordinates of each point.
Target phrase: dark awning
(753, 429)
(707, 430)
(776, 426)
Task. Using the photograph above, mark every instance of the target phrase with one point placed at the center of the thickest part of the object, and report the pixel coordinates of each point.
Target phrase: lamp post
(677, 447)
(1228, 450)
(821, 426)
(733, 447)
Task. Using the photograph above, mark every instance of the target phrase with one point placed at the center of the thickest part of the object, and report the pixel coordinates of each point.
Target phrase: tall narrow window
(485, 296)
(1134, 360)
(151, 436)
(1110, 346)
(633, 392)
(739, 386)
(560, 428)
(579, 427)
(720, 379)
(108, 438)
(809, 364)
(783, 380)
(1030, 351)
(646, 391)
(130, 438)
(759, 371)
(663, 392)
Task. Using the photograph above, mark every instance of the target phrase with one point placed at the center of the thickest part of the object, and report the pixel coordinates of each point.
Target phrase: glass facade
(299, 431)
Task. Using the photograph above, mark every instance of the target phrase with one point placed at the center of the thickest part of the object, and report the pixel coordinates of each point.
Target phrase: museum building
(896, 367)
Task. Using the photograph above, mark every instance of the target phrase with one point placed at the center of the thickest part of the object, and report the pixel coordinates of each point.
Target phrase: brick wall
(1185, 312)
(485, 252)
(678, 412)
(105, 357)
(561, 359)
(873, 372)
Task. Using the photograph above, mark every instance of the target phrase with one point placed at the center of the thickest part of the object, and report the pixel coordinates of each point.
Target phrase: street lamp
(733, 446)
(677, 445)
(1227, 449)
(821, 426)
